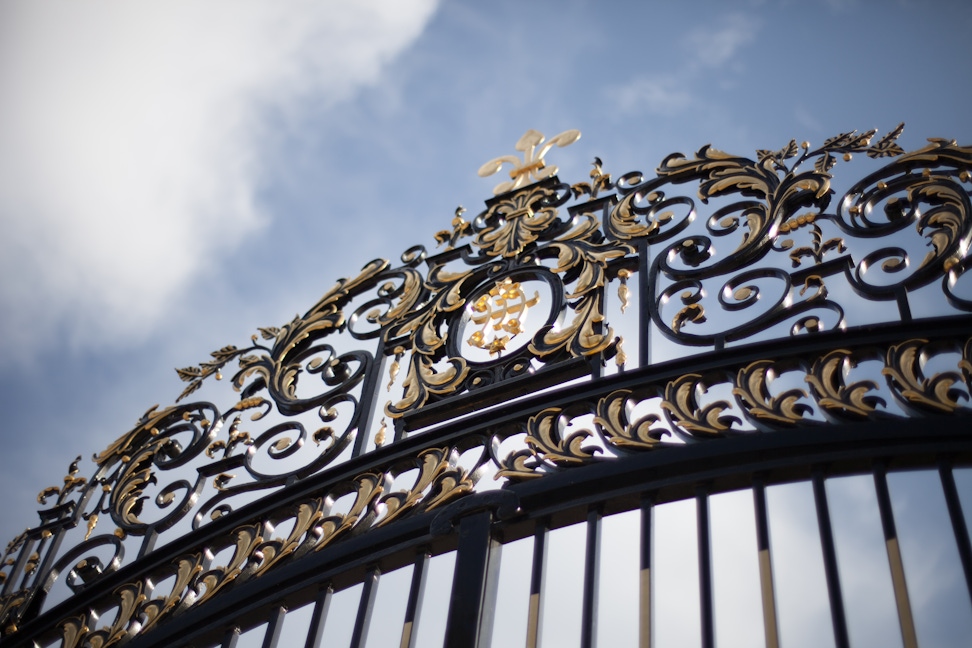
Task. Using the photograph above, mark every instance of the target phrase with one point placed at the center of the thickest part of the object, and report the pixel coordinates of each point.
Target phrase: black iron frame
(554, 476)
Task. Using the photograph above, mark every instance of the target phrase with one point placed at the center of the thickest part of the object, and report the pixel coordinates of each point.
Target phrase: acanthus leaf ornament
(906, 374)
(752, 389)
(837, 397)
(614, 421)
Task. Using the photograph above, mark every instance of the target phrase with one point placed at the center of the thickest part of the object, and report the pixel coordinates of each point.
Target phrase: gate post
(470, 618)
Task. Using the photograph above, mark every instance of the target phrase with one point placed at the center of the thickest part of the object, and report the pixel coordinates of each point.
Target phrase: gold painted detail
(140, 606)
(905, 371)
(817, 250)
(280, 365)
(613, 419)
(682, 403)
(517, 220)
(460, 228)
(752, 388)
(71, 482)
(827, 379)
(768, 206)
(623, 290)
(503, 309)
(551, 443)
(532, 168)
(600, 181)
(554, 439)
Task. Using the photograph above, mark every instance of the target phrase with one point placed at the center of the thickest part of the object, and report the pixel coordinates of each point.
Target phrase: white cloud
(715, 48)
(662, 96)
(131, 134)
(706, 49)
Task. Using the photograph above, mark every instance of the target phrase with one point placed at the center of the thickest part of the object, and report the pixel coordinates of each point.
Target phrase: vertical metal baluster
(645, 307)
(231, 637)
(274, 627)
(705, 566)
(901, 599)
(535, 612)
(830, 560)
(413, 608)
(645, 610)
(958, 520)
(770, 625)
(470, 581)
(592, 569)
(370, 391)
(321, 606)
(367, 604)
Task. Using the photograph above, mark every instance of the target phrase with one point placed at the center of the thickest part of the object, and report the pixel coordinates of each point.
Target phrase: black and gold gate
(572, 352)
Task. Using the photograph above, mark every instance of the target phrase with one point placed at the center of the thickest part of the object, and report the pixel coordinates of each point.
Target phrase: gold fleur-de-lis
(532, 168)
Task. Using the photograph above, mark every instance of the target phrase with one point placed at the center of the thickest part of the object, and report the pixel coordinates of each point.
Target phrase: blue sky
(175, 175)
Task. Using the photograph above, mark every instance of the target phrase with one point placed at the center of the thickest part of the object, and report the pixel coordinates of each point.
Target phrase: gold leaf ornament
(906, 375)
(613, 419)
(682, 404)
(545, 437)
(752, 390)
(827, 380)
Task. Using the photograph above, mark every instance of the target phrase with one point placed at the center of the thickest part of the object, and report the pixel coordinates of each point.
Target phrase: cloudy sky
(173, 175)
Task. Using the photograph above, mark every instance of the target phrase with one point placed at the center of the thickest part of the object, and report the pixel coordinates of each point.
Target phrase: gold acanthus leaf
(826, 379)
(752, 389)
(614, 422)
(545, 438)
(681, 402)
(906, 375)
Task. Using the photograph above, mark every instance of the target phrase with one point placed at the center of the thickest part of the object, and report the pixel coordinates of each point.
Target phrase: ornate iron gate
(571, 352)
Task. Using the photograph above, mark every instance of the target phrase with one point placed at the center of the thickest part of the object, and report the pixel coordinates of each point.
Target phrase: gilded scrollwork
(250, 553)
(752, 389)
(277, 368)
(904, 370)
(547, 436)
(613, 419)
(834, 394)
(769, 258)
(686, 412)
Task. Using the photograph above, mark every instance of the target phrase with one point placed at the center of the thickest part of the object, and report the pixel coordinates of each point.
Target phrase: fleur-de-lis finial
(532, 168)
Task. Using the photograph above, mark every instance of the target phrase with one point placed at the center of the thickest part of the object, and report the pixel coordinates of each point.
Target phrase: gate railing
(570, 351)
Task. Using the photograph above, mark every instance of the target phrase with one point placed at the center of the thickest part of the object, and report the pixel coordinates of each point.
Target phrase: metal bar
(491, 591)
(830, 560)
(274, 627)
(705, 566)
(958, 521)
(367, 604)
(413, 608)
(644, 306)
(592, 569)
(904, 308)
(316, 630)
(231, 637)
(905, 618)
(767, 589)
(369, 396)
(645, 582)
(469, 581)
(148, 543)
(535, 612)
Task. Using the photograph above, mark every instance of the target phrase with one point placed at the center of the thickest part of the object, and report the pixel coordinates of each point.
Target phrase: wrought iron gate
(574, 351)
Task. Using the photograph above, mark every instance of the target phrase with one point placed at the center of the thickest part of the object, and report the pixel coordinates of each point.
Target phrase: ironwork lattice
(597, 329)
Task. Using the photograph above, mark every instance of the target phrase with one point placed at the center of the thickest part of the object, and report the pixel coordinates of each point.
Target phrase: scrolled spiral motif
(713, 250)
